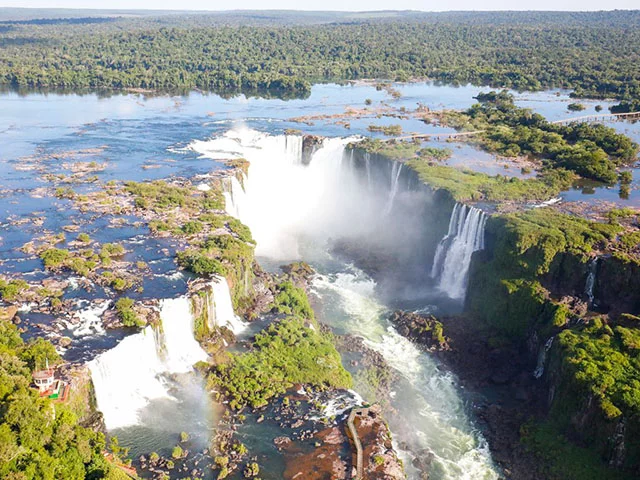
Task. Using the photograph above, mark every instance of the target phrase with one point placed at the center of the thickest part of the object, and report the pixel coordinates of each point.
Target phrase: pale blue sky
(353, 5)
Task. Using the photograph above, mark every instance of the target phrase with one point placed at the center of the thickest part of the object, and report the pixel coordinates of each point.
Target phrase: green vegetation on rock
(467, 185)
(506, 291)
(602, 362)
(285, 353)
(292, 300)
(10, 290)
(126, 313)
(223, 255)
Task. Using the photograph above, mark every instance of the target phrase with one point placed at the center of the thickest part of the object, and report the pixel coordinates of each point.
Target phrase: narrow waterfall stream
(295, 211)
(591, 281)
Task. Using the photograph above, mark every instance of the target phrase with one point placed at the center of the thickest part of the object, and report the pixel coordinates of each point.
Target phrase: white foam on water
(89, 320)
(432, 404)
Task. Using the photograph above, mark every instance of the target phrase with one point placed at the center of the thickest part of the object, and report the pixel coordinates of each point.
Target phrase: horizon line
(107, 9)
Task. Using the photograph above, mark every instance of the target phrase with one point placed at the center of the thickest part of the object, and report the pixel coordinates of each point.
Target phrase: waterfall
(591, 281)
(542, 358)
(180, 348)
(367, 163)
(395, 180)
(233, 204)
(443, 245)
(127, 377)
(453, 255)
(221, 312)
(284, 197)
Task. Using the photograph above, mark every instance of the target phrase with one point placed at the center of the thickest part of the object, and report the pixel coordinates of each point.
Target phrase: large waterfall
(289, 198)
(127, 377)
(295, 209)
(453, 255)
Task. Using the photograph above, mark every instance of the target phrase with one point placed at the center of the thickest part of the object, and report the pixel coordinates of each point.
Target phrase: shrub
(9, 291)
(177, 452)
(84, 238)
(54, 257)
(200, 263)
(626, 177)
(291, 300)
(129, 318)
(192, 227)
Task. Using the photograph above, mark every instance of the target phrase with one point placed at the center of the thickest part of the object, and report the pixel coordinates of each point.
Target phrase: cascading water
(443, 245)
(180, 350)
(591, 281)
(289, 205)
(89, 321)
(432, 414)
(287, 195)
(127, 377)
(395, 180)
(542, 357)
(453, 254)
(221, 312)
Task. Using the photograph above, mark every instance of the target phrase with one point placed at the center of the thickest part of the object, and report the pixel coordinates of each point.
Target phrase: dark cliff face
(412, 219)
(310, 144)
(617, 287)
(528, 308)
(567, 275)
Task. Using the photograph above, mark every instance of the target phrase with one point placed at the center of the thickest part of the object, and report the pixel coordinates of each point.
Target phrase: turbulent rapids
(301, 210)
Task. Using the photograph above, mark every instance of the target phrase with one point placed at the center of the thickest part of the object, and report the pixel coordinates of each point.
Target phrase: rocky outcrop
(8, 313)
(334, 455)
(425, 330)
(370, 364)
(300, 273)
(147, 312)
(379, 459)
(310, 144)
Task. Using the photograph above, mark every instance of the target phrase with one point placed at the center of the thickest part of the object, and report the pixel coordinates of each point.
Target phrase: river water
(141, 137)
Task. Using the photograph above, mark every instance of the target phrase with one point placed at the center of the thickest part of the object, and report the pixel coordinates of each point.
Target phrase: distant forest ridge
(183, 17)
(282, 53)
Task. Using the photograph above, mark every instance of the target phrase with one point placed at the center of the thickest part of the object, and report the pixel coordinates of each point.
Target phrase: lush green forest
(591, 151)
(596, 56)
(40, 439)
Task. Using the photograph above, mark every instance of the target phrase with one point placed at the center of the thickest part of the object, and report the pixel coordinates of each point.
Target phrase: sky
(349, 5)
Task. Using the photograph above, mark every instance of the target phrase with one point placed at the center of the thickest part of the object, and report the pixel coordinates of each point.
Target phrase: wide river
(140, 137)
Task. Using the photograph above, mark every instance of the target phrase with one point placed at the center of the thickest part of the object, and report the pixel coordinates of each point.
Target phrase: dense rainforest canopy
(596, 55)
(40, 439)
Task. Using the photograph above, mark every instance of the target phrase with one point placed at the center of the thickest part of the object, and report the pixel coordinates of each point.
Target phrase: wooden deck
(356, 441)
